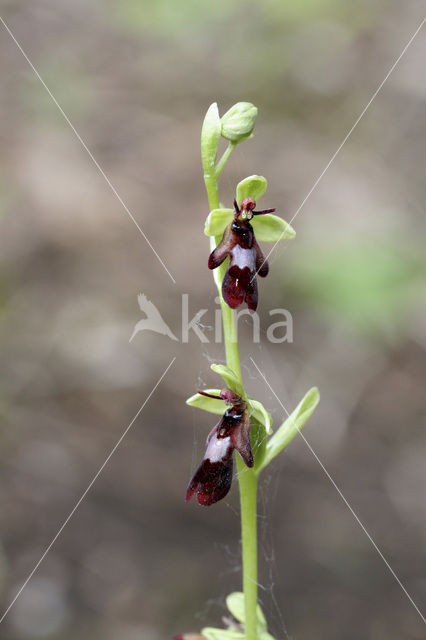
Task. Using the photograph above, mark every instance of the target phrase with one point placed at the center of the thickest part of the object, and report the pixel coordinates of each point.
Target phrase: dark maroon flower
(245, 257)
(212, 480)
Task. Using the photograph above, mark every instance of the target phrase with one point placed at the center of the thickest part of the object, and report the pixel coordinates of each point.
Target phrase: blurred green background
(135, 78)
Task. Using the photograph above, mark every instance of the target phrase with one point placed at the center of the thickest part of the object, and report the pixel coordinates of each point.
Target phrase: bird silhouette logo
(153, 320)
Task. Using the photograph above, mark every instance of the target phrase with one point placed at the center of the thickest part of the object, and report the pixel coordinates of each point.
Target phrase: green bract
(235, 604)
(238, 122)
(251, 187)
(210, 136)
(291, 426)
(270, 228)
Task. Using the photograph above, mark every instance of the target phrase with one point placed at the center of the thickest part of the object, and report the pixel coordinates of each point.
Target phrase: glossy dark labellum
(212, 480)
(246, 259)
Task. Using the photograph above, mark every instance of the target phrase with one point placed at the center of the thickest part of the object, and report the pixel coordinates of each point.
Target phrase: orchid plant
(245, 426)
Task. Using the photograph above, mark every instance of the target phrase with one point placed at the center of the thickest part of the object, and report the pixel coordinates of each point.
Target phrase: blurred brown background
(135, 78)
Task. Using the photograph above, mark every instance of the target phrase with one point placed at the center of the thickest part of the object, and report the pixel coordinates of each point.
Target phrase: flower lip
(212, 480)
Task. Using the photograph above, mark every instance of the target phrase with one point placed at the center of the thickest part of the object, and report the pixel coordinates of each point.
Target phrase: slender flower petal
(212, 480)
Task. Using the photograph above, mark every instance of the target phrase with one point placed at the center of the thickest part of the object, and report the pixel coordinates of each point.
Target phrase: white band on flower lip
(218, 449)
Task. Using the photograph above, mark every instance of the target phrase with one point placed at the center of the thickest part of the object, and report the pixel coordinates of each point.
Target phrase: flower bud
(238, 122)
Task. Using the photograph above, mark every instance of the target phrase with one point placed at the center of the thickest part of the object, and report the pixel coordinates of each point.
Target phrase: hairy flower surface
(212, 480)
(246, 259)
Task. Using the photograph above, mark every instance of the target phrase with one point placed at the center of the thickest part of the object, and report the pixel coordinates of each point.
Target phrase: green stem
(224, 159)
(248, 503)
(246, 477)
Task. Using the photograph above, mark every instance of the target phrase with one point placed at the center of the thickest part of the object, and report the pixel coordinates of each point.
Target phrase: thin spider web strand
(345, 501)
(80, 500)
(86, 148)
(351, 130)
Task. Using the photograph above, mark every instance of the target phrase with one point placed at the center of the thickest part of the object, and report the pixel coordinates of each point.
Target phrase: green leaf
(207, 404)
(210, 136)
(222, 634)
(235, 604)
(258, 411)
(230, 378)
(291, 426)
(270, 228)
(251, 187)
(217, 220)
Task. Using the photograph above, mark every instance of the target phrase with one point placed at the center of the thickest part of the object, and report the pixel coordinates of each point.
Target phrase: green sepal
(270, 228)
(258, 411)
(235, 604)
(210, 136)
(217, 220)
(222, 634)
(229, 377)
(291, 427)
(207, 404)
(252, 187)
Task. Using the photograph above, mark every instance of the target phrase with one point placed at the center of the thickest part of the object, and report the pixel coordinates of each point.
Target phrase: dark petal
(233, 290)
(251, 294)
(240, 439)
(213, 432)
(212, 481)
(262, 266)
(262, 213)
(223, 249)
